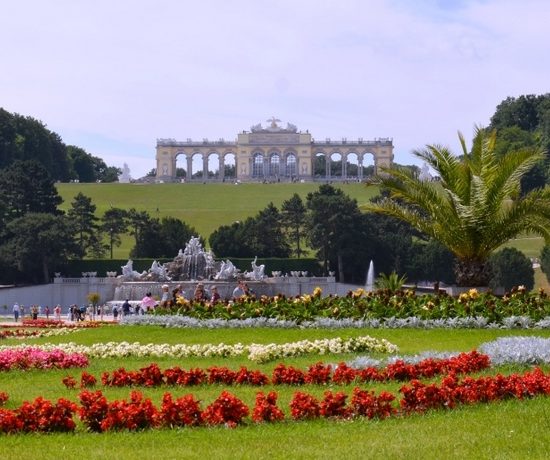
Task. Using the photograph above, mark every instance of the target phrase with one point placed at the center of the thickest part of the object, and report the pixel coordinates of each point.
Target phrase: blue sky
(113, 76)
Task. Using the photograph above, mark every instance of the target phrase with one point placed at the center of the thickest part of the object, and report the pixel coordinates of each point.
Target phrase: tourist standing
(165, 295)
(126, 308)
(115, 313)
(148, 303)
(16, 311)
(47, 312)
(238, 292)
(57, 312)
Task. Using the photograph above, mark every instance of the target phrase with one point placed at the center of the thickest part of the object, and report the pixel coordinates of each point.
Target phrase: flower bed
(255, 352)
(374, 305)
(25, 333)
(37, 358)
(319, 373)
(413, 322)
(139, 413)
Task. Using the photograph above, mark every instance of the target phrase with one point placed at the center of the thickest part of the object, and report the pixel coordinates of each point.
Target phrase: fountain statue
(257, 273)
(227, 271)
(193, 263)
(128, 272)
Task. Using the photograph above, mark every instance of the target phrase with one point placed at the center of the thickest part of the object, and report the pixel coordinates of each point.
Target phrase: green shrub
(510, 267)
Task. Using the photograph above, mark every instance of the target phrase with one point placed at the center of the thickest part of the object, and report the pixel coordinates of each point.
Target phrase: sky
(113, 76)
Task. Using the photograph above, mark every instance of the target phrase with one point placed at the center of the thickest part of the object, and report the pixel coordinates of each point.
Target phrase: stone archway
(298, 155)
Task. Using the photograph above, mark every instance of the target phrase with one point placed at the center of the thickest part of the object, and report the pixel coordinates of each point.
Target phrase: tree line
(25, 138)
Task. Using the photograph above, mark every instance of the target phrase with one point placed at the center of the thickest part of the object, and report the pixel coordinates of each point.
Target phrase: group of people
(148, 303)
(35, 311)
(200, 294)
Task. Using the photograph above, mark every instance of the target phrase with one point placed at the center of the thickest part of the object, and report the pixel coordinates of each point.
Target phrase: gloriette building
(273, 153)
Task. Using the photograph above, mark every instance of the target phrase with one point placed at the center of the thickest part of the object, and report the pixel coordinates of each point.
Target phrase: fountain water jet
(370, 278)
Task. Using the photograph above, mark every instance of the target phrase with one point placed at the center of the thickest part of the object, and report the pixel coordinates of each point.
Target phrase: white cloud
(112, 77)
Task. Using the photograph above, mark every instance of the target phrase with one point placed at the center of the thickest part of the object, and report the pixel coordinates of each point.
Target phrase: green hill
(203, 206)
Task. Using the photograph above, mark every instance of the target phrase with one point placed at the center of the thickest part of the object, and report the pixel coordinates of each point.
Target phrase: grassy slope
(512, 429)
(204, 207)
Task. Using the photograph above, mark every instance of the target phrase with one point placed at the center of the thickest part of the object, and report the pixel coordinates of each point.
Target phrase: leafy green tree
(174, 235)
(26, 186)
(261, 235)
(138, 221)
(229, 241)
(264, 233)
(37, 243)
(82, 215)
(334, 226)
(430, 261)
(148, 242)
(510, 267)
(521, 112)
(475, 207)
(293, 219)
(114, 224)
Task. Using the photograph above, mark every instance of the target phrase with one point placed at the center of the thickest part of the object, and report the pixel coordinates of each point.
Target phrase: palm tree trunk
(471, 273)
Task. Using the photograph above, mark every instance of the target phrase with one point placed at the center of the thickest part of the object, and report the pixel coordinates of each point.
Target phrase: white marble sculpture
(227, 271)
(257, 272)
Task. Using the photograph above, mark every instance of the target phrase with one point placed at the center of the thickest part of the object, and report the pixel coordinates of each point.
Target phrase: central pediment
(273, 127)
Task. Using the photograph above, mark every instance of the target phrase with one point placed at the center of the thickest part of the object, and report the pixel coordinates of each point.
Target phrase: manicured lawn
(510, 429)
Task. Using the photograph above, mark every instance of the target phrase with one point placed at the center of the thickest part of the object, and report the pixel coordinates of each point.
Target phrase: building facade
(274, 153)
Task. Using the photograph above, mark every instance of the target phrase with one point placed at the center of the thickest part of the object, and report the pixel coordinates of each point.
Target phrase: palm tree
(475, 207)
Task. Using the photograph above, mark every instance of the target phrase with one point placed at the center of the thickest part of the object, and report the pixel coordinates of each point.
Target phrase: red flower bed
(39, 416)
(226, 409)
(304, 406)
(137, 414)
(283, 375)
(367, 404)
(99, 415)
(317, 373)
(265, 409)
(53, 323)
(334, 405)
(184, 411)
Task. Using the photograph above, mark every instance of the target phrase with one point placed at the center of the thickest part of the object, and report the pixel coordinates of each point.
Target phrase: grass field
(511, 429)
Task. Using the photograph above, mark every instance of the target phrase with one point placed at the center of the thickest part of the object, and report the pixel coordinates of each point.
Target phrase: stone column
(328, 172)
(189, 167)
(221, 174)
(344, 167)
(204, 166)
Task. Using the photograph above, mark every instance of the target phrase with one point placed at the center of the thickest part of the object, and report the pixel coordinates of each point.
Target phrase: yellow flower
(358, 292)
(473, 294)
(317, 292)
(182, 301)
(462, 298)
